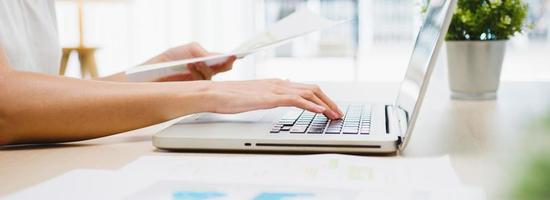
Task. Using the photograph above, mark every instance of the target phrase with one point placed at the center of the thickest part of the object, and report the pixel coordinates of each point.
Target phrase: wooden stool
(86, 57)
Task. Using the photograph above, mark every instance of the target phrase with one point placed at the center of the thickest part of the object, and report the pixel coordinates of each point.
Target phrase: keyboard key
(315, 130)
(347, 129)
(350, 130)
(329, 131)
(332, 131)
(286, 122)
(318, 125)
(285, 128)
(298, 129)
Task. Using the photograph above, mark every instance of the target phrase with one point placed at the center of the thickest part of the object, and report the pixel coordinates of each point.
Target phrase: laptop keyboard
(356, 120)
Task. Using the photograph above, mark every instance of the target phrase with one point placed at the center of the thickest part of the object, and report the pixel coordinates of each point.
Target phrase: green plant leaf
(487, 20)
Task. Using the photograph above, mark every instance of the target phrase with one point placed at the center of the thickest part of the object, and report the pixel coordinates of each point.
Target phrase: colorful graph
(182, 190)
(211, 195)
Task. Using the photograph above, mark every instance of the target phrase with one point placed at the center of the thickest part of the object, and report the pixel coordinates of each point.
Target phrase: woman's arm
(37, 108)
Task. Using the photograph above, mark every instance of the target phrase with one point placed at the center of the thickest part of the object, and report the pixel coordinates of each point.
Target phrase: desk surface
(483, 138)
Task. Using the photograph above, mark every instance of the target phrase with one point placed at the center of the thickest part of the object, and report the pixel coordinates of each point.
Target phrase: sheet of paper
(107, 185)
(261, 177)
(295, 25)
(155, 71)
(320, 170)
(76, 184)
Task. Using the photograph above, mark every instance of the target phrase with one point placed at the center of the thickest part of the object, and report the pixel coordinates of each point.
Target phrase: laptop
(365, 128)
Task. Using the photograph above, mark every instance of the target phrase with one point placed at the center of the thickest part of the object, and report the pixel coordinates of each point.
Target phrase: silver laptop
(365, 128)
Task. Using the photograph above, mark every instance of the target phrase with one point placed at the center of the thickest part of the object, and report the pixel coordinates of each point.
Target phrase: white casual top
(28, 34)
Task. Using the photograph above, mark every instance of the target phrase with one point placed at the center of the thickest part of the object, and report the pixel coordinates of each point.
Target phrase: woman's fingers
(194, 72)
(227, 65)
(196, 50)
(205, 71)
(319, 93)
(299, 102)
(311, 96)
(310, 92)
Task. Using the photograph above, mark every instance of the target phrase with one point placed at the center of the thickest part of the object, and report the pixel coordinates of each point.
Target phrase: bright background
(373, 47)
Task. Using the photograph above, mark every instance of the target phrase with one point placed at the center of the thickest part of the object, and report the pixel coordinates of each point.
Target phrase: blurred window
(374, 46)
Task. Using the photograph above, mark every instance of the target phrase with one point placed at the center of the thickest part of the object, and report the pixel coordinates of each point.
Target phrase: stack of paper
(261, 178)
(295, 25)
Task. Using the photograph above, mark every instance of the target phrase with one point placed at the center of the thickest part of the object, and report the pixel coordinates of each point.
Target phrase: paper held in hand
(295, 25)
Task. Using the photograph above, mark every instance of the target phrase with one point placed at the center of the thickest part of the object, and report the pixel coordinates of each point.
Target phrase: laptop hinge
(392, 123)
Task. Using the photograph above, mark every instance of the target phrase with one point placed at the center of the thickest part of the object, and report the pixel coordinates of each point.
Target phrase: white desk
(483, 138)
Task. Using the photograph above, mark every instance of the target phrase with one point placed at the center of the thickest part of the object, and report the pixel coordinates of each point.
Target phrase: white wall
(129, 32)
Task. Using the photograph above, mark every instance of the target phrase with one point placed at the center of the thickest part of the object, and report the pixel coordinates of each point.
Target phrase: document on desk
(295, 25)
(327, 176)
(323, 169)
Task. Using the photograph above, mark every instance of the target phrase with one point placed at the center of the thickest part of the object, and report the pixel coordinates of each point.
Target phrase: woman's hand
(241, 96)
(198, 71)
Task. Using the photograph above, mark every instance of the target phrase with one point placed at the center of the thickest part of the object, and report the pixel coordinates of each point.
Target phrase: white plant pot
(474, 68)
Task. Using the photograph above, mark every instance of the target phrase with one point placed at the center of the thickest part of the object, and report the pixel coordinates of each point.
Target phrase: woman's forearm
(118, 77)
(36, 108)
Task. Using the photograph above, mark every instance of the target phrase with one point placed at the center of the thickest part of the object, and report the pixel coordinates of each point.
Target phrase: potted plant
(476, 44)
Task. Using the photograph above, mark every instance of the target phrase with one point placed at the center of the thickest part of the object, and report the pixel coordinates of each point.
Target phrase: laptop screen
(422, 62)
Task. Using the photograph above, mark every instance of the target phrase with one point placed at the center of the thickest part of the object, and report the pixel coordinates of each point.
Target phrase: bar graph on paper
(181, 190)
